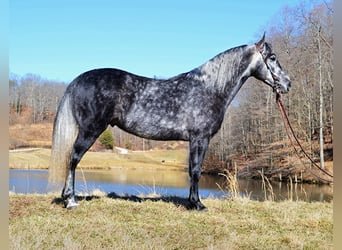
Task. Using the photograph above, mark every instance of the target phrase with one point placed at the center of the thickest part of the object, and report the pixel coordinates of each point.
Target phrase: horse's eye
(273, 57)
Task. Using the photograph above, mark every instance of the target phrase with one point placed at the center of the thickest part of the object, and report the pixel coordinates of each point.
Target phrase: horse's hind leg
(83, 142)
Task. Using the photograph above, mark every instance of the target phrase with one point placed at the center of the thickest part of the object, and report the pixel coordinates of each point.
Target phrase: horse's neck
(227, 72)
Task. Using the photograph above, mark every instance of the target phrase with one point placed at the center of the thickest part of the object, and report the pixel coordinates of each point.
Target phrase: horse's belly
(156, 127)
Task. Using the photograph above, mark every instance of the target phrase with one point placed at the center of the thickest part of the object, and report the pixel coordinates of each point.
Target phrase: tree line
(302, 38)
(33, 99)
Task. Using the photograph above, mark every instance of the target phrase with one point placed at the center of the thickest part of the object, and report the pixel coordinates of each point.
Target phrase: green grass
(176, 159)
(100, 222)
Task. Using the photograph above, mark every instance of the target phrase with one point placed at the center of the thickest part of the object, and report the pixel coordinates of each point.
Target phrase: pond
(122, 181)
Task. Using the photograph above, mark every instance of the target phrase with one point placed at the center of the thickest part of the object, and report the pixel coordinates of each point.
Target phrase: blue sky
(61, 39)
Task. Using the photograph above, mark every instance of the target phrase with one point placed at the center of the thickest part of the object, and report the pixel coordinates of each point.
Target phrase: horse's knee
(195, 174)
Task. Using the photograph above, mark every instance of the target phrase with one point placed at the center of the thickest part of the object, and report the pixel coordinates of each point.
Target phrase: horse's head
(269, 70)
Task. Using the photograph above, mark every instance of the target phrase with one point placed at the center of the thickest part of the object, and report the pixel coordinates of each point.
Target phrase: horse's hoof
(198, 206)
(202, 208)
(71, 204)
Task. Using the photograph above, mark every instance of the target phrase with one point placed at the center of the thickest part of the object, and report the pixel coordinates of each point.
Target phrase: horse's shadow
(177, 201)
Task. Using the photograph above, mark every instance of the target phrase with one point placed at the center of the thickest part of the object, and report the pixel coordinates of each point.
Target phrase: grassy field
(114, 222)
(39, 158)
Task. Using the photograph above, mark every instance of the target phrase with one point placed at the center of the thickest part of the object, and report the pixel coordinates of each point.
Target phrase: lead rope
(288, 126)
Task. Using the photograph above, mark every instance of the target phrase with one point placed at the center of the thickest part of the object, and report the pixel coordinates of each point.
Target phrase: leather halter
(275, 78)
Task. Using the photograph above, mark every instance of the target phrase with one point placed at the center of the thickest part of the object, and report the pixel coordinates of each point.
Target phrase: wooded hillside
(252, 134)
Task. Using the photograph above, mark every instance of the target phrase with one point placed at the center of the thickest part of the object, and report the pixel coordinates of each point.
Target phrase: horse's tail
(64, 135)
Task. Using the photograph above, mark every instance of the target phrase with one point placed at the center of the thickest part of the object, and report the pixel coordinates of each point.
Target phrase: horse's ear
(260, 45)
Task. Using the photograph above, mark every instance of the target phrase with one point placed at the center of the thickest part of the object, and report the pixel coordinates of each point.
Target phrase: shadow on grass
(177, 201)
(60, 201)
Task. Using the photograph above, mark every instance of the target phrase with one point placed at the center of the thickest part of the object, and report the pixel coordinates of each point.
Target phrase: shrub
(107, 139)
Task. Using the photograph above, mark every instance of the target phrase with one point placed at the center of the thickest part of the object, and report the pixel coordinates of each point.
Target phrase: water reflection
(171, 183)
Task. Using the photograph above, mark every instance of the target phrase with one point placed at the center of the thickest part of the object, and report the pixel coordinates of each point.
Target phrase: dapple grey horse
(188, 107)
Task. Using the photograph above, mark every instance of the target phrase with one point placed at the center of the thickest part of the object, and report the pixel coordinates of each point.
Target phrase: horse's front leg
(198, 147)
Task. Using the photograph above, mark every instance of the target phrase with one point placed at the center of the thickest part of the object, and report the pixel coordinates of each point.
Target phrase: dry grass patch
(172, 159)
(102, 222)
(32, 135)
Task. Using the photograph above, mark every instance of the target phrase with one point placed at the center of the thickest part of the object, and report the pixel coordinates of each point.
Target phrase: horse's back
(103, 95)
(107, 78)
